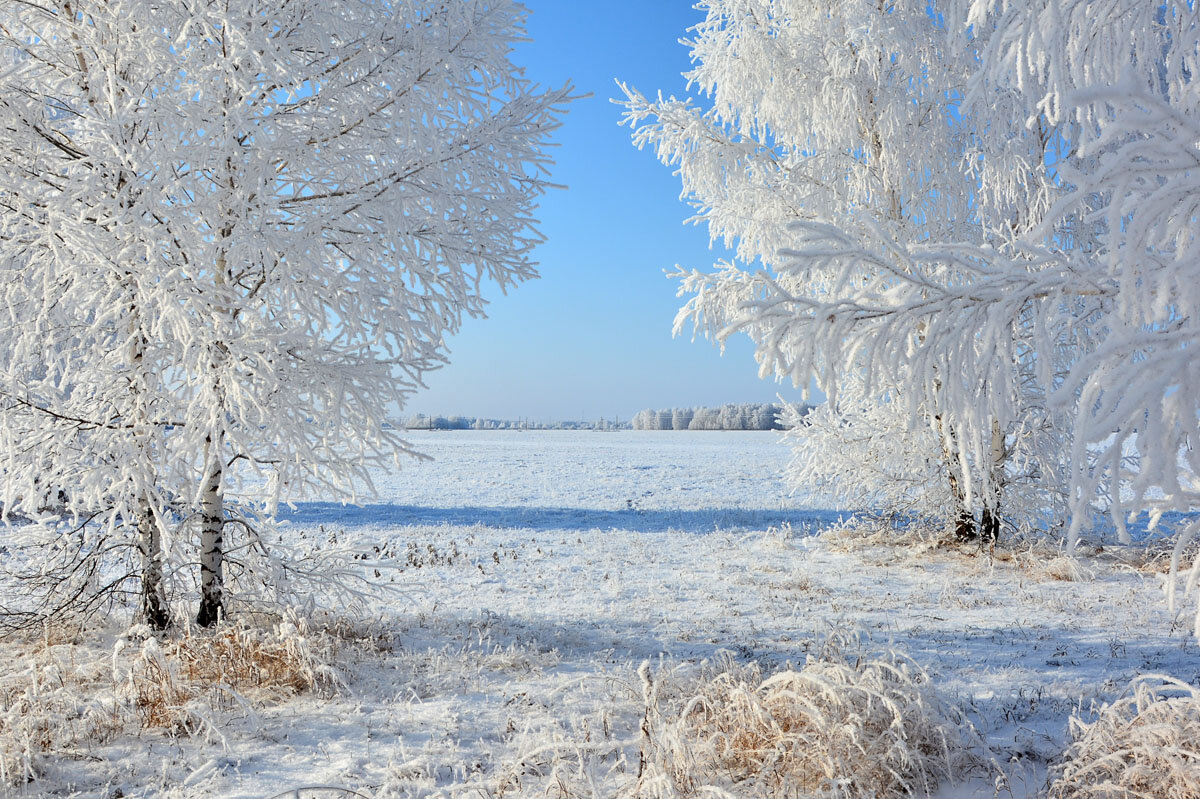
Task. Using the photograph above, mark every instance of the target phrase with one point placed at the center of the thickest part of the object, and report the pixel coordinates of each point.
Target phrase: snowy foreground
(543, 568)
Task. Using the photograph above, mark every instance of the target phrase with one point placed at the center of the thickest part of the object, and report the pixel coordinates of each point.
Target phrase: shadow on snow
(702, 520)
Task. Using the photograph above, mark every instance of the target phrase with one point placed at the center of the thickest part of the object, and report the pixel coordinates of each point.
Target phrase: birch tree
(847, 118)
(238, 234)
(1063, 297)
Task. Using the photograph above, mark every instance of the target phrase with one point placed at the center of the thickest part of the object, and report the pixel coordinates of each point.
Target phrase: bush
(842, 726)
(1145, 744)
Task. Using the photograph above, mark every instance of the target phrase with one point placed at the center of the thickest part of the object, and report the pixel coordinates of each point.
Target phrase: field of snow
(649, 481)
(542, 568)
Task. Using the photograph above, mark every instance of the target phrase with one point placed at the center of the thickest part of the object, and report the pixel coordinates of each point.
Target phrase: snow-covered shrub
(844, 725)
(863, 454)
(175, 684)
(1145, 744)
(66, 694)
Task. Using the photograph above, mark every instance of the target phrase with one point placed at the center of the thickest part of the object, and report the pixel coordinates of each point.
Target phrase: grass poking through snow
(1146, 744)
(845, 725)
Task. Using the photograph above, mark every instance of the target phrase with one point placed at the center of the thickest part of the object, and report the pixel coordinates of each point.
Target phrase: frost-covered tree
(234, 236)
(844, 117)
(1076, 300)
(1059, 307)
(1110, 269)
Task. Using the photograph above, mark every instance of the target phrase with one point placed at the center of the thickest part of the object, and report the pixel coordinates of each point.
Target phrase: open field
(541, 569)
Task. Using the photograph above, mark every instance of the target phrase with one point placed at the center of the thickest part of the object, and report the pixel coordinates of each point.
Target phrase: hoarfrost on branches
(992, 204)
(233, 237)
(834, 140)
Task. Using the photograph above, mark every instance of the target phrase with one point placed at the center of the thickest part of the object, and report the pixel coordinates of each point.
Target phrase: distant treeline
(749, 416)
(423, 422)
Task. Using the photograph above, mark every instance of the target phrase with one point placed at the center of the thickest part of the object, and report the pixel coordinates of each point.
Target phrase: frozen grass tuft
(844, 726)
(174, 685)
(1145, 744)
(68, 695)
(50, 701)
(1045, 566)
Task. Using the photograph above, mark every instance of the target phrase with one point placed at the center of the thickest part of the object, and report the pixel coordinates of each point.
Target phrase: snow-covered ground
(543, 567)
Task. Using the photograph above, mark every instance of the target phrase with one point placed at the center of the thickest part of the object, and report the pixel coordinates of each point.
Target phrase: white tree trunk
(155, 611)
(212, 540)
(990, 520)
(964, 520)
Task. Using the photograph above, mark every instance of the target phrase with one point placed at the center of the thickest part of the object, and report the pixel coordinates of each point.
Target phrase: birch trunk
(155, 612)
(989, 522)
(964, 520)
(212, 540)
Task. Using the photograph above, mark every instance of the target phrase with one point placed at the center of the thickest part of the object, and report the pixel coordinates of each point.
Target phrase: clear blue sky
(592, 337)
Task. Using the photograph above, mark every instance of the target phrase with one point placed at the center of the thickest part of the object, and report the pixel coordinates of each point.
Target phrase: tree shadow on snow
(701, 520)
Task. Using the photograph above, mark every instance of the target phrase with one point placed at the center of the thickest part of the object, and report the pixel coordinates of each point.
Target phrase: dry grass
(1046, 565)
(1155, 556)
(172, 685)
(70, 693)
(841, 726)
(51, 699)
(881, 544)
(1146, 744)
(865, 531)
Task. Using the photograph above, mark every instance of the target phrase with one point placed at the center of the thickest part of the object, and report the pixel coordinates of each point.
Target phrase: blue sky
(592, 337)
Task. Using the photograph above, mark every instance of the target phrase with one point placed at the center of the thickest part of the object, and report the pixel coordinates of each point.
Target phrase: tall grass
(844, 726)
(1145, 745)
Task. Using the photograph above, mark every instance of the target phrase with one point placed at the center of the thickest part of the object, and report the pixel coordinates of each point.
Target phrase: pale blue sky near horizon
(592, 337)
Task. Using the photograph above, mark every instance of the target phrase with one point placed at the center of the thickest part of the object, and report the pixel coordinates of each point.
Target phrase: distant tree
(234, 236)
(727, 417)
(705, 419)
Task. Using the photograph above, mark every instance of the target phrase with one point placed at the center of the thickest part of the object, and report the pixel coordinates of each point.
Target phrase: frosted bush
(841, 726)
(1145, 744)
(51, 700)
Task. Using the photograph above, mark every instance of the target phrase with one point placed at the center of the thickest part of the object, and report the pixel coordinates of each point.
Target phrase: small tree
(279, 211)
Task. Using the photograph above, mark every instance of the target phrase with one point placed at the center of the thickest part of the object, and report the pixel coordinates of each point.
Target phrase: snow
(581, 480)
(544, 567)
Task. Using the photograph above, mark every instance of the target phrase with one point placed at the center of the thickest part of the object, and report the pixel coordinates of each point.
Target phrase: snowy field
(542, 568)
(582, 480)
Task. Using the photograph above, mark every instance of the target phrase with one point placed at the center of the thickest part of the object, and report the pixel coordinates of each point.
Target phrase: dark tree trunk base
(155, 613)
(964, 528)
(211, 613)
(990, 526)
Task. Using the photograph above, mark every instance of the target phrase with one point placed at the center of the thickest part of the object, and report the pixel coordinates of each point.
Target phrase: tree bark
(212, 541)
(990, 518)
(155, 611)
(964, 521)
